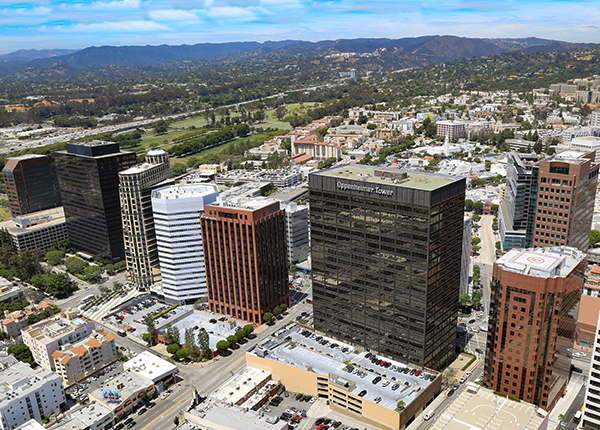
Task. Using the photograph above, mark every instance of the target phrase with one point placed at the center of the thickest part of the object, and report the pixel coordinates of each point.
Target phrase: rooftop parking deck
(351, 368)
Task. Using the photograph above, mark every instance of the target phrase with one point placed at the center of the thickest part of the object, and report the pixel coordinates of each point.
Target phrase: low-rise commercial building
(592, 282)
(27, 393)
(15, 321)
(74, 362)
(41, 229)
(47, 336)
(586, 322)
(91, 416)
(153, 368)
(9, 292)
(279, 178)
(124, 393)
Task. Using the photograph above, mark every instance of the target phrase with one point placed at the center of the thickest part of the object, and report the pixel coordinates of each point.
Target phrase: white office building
(177, 211)
(297, 231)
(587, 143)
(466, 255)
(591, 406)
(27, 394)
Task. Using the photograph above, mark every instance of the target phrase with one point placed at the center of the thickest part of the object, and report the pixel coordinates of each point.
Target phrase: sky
(48, 24)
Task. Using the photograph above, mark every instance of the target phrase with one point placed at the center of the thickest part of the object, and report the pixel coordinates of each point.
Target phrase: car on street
(142, 411)
(131, 424)
(478, 350)
(363, 393)
(451, 392)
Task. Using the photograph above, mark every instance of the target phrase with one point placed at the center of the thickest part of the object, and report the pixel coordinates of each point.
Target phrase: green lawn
(4, 214)
(215, 150)
(198, 121)
(180, 128)
(150, 139)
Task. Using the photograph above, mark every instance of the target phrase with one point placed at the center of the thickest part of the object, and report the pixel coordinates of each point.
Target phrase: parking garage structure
(319, 366)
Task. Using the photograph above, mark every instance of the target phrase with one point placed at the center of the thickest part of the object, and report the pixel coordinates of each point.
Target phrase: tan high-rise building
(561, 200)
(135, 190)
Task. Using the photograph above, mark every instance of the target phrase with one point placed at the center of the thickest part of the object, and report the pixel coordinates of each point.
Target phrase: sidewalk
(419, 418)
(563, 405)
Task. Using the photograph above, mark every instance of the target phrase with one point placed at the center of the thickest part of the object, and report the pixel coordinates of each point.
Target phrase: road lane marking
(233, 365)
(165, 412)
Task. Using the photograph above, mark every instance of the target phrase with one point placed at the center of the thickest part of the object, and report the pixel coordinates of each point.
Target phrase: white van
(429, 414)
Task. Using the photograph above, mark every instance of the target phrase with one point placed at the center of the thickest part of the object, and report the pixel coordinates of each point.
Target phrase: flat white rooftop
(184, 191)
(150, 366)
(550, 262)
(240, 386)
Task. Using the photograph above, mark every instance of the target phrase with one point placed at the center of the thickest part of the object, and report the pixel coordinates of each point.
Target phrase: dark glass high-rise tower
(88, 176)
(31, 183)
(386, 260)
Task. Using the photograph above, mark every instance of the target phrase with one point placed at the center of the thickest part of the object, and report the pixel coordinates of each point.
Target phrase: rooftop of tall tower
(391, 177)
(549, 262)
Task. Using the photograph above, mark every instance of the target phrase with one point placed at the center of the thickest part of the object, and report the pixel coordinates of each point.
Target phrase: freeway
(35, 143)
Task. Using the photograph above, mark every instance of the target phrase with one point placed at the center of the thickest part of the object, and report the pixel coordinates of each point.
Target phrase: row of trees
(268, 316)
(195, 145)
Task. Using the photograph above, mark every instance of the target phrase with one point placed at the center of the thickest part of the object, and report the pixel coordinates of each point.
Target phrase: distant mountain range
(420, 50)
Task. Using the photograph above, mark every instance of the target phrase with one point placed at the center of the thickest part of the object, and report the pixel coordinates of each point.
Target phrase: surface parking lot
(291, 404)
(82, 389)
(131, 315)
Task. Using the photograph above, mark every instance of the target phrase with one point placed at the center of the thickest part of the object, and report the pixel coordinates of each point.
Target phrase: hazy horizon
(49, 24)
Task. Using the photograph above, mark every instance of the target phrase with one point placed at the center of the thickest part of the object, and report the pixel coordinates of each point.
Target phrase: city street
(204, 377)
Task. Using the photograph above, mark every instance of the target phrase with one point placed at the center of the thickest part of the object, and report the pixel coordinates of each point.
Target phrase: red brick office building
(245, 255)
(533, 317)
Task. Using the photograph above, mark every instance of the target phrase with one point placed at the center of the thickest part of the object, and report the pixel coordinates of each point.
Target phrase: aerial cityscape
(299, 215)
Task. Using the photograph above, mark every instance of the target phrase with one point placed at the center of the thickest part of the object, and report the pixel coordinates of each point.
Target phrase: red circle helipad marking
(536, 260)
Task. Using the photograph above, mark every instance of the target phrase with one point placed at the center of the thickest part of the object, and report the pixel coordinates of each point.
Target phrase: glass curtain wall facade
(386, 260)
(88, 176)
(31, 184)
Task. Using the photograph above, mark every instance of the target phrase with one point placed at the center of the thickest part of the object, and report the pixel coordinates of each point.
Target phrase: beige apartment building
(135, 189)
(74, 362)
(14, 322)
(47, 336)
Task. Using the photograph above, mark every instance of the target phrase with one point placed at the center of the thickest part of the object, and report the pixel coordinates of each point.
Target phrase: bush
(165, 311)
(54, 257)
(21, 352)
(466, 366)
(75, 265)
(173, 348)
(182, 353)
(222, 345)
